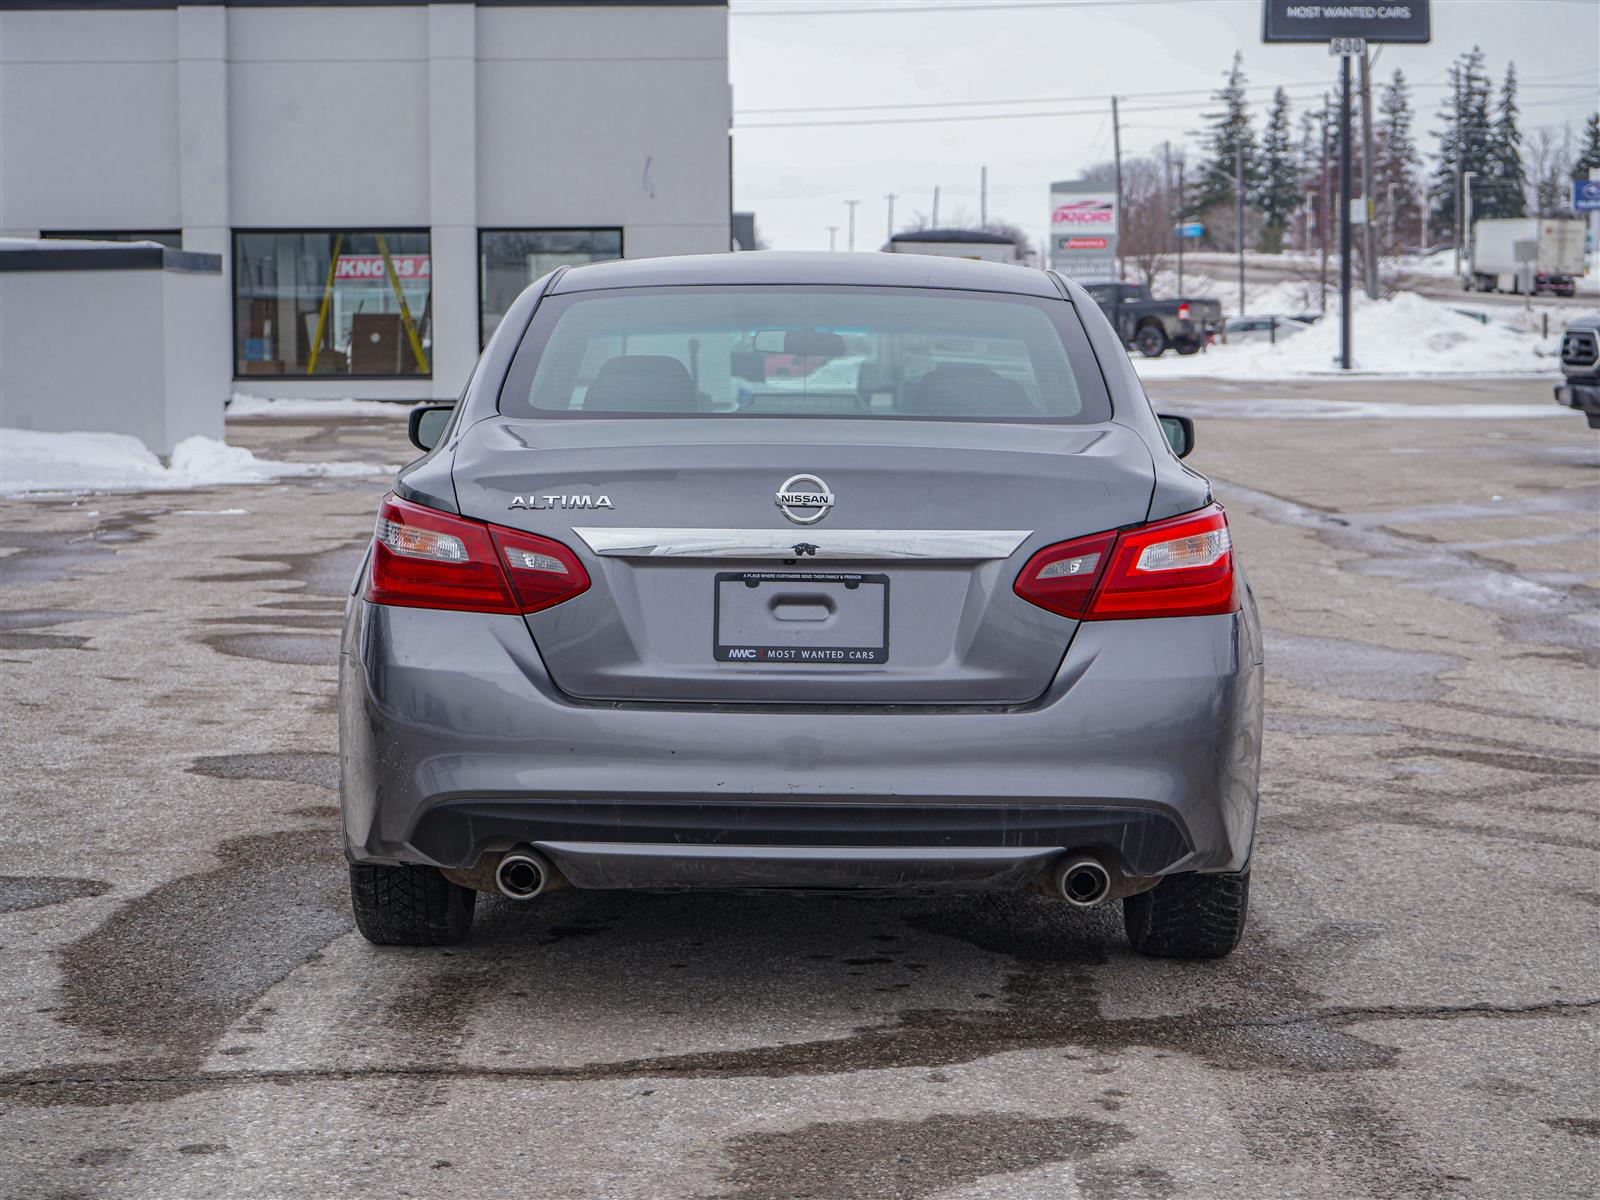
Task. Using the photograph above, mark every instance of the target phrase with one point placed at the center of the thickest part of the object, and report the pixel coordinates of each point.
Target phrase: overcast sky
(1065, 57)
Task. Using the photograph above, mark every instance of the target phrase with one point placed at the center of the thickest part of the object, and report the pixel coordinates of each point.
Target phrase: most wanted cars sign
(1300, 21)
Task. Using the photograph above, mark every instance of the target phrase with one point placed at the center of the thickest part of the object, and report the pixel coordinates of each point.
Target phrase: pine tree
(1589, 154)
(1230, 131)
(1507, 192)
(1277, 192)
(1398, 165)
(1466, 140)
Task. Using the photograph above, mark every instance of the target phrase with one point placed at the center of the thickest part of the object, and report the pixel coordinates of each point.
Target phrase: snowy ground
(1408, 336)
(244, 405)
(81, 462)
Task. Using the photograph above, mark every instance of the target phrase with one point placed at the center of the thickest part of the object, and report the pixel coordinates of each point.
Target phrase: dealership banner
(1083, 230)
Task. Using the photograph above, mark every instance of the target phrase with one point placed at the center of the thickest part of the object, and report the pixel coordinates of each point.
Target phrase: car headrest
(641, 383)
(969, 390)
(813, 343)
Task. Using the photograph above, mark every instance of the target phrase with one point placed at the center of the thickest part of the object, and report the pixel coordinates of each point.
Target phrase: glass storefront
(333, 302)
(510, 259)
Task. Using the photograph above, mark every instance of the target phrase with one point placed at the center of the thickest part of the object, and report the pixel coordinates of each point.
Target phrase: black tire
(1151, 341)
(1189, 916)
(409, 906)
(1186, 346)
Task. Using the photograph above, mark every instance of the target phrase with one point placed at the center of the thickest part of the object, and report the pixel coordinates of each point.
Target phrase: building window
(510, 259)
(333, 302)
(172, 239)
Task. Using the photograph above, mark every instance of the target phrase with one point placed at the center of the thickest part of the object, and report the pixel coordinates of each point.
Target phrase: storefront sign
(1299, 21)
(369, 268)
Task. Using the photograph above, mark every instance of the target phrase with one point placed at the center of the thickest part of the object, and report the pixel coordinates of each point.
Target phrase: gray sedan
(802, 571)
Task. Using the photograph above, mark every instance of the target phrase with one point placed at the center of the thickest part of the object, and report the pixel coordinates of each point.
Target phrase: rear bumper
(456, 743)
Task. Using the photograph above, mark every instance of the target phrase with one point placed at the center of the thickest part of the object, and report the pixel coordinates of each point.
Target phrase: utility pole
(1180, 220)
(936, 206)
(1327, 205)
(1166, 189)
(983, 197)
(1458, 166)
(833, 237)
(1466, 207)
(1369, 234)
(1344, 212)
(890, 235)
(1311, 210)
(1238, 212)
(1116, 160)
(850, 244)
(1389, 220)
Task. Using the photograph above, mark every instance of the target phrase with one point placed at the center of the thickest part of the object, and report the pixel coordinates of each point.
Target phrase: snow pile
(243, 405)
(1407, 335)
(31, 461)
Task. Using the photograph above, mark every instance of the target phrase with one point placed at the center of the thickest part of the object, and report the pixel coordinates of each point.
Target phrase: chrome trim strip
(925, 544)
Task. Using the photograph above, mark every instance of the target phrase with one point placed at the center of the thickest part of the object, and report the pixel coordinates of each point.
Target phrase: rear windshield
(806, 352)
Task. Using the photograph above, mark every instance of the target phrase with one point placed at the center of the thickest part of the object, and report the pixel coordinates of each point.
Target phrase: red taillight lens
(423, 558)
(1183, 312)
(1182, 567)
(1062, 577)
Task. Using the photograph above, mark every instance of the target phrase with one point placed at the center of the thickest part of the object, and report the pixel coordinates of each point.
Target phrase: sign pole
(1344, 212)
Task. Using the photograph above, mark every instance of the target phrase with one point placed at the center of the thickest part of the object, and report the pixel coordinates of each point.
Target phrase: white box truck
(1526, 255)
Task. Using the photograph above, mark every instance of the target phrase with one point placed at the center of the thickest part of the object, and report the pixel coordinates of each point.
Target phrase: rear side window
(776, 351)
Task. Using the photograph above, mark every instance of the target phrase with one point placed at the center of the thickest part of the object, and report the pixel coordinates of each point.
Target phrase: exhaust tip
(522, 875)
(1083, 881)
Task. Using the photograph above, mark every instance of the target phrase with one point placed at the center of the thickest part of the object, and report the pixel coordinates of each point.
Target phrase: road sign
(1300, 21)
(1346, 47)
(1192, 230)
(1586, 195)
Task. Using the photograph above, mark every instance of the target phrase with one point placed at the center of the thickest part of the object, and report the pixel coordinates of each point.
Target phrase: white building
(379, 179)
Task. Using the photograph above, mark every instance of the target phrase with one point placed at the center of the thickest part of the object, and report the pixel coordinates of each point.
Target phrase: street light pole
(851, 242)
(1344, 212)
(890, 235)
(1238, 213)
(833, 237)
(1467, 239)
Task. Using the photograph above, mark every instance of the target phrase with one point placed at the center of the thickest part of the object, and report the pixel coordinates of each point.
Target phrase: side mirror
(1180, 433)
(427, 424)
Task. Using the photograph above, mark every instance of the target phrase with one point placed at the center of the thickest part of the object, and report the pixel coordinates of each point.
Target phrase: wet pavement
(1414, 1011)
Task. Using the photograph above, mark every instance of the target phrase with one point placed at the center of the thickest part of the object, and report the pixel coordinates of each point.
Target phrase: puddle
(16, 628)
(169, 972)
(1358, 670)
(321, 573)
(907, 1158)
(318, 768)
(1531, 611)
(295, 649)
(47, 557)
(19, 893)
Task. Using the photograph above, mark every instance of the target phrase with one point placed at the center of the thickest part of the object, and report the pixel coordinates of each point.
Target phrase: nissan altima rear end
(807, 572)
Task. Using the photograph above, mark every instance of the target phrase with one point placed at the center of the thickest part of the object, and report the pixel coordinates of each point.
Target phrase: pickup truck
(1150, 325)
(1580, 363)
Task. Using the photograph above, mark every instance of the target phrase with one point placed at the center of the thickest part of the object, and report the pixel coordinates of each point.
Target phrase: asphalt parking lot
(1414, 1011)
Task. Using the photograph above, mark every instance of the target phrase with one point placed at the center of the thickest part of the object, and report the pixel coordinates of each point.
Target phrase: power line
(1207, 93)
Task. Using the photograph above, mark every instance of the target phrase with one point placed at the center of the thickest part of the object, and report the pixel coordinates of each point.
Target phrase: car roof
(867, 269)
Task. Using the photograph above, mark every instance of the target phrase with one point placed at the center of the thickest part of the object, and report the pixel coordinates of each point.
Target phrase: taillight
(423, 558)
(1183, 312)
(1182, 567)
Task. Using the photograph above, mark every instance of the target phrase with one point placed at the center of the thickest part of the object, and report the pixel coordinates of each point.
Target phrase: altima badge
(542, 502)
(805, 499)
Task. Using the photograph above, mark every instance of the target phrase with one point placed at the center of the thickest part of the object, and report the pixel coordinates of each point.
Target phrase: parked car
(634, 621)
(1580, 365)
(1150, 326)
(1268, 328)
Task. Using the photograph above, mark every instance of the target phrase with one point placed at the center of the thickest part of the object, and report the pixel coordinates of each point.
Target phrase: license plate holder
(807, 618)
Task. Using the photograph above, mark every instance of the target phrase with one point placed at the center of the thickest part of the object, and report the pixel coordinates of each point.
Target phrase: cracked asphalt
(1413, 1013)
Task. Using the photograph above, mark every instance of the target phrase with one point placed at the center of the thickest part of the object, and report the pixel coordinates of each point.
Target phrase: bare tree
(1147, 224)
(1549, 157)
